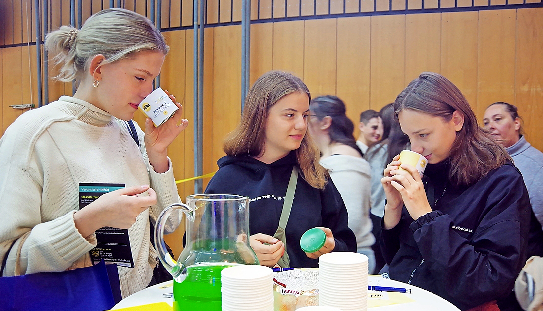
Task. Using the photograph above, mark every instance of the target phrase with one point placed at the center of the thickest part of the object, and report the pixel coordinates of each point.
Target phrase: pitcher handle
(169, 263)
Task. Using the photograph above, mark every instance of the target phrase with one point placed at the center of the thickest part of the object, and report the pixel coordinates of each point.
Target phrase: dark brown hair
(250, 135)
(473, 153)
(341, 128)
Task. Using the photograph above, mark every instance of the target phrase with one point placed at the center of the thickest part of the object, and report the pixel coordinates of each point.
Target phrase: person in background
(332, 131)
(47, 152)
(377, 156)
(370, 128)
(503, 122)
(269, 145)
(462, 231)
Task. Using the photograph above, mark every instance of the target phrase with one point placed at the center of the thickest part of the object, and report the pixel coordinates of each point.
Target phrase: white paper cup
(158, 106)
(414, 159)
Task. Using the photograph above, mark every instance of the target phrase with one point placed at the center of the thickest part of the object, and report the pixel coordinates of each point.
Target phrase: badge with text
(113, 244)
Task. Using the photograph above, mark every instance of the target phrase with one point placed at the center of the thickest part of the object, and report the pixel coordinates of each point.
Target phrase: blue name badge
(113, 244)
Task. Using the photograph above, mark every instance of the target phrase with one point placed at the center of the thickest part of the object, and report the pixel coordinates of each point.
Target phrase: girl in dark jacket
(462, 230)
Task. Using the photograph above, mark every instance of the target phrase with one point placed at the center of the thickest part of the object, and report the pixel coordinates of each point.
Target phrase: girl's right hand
(268, 249)
(116, 209)
(393, 207)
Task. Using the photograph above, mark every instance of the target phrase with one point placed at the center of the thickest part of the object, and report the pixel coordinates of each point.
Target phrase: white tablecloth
(422, 299)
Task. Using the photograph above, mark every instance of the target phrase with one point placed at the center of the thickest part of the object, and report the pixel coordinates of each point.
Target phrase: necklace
(442, 194)
(431, 193)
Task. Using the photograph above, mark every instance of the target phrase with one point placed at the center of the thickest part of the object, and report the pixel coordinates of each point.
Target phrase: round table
(418, 300)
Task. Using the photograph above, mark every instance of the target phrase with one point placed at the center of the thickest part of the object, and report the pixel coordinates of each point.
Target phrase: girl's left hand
(328, 246)
(409, 184)
(157, 139)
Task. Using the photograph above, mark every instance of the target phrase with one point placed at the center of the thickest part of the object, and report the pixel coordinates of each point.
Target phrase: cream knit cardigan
(44, 155)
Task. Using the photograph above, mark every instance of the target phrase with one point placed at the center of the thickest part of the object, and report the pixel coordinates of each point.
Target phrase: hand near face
(328, 246)
(157, 139)
(408, 183)
(116, 209)
(268, 249)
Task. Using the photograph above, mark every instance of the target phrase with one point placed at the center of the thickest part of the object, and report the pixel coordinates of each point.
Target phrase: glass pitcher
(217, 236)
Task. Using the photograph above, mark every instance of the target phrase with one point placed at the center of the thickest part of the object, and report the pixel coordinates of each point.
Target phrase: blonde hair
(115, 33)
(249, 137)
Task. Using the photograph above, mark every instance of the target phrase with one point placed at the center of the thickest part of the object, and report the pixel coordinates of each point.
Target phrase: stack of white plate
(343, 281)
(247, 287)
(318, 308)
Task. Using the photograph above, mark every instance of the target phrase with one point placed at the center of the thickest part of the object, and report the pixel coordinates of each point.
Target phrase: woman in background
(503, 122)
(261, 156)
(332, 131)
(460, 232)
(48, 152)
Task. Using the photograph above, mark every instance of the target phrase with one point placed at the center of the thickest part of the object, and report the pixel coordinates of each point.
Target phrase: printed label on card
(113, 244)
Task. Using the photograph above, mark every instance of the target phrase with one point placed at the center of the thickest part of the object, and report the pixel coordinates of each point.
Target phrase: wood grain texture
(261, 57)
(226, 85)
(529, 73)
(12, 84)
(459, 52)
(387, 59)
(288, 47)
(319, 55)
(422, 45)
(353, 65)
(496, 58)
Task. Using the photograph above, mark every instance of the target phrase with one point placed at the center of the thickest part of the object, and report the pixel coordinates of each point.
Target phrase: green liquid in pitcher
(201, 289)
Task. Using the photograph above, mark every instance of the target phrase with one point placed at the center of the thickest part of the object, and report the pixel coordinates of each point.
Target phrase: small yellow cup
(414, 159)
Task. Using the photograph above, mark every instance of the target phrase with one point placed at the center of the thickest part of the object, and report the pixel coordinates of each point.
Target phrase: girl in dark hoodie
(270, 140)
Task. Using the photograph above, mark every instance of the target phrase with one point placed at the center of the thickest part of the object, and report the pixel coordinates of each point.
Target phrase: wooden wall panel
(293, 8)
(459, 52)
(321, 7)
(261, 57)
(29, 80)
(188, 111)
(308, 7)
(17, 22)
(529, 73)
(387, 59)
(288, 47)
(173, 79)
(12, 84)
(496, 59)
(319, 57)
(9, 20)
(226, 84)
(422, 45)
(210, 108)
(353, 65)
(236, 10)
(28, 24)
(212, 11)
(186, 16)
(279, 7)
(336, 6)
(225, 10)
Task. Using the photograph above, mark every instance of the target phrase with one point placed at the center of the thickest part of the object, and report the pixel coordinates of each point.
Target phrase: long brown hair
(250, 135)
(473, 153)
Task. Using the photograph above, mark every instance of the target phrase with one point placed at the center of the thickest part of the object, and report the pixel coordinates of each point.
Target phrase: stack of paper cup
(247, 287)
(343, 281)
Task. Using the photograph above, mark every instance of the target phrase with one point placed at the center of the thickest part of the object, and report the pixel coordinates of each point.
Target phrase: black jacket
(266, 185)
(471, 247)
